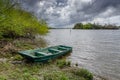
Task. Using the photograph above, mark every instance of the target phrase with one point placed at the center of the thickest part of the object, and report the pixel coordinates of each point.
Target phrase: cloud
(60, 13)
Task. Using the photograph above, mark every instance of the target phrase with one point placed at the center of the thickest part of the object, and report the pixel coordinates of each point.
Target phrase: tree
(87, 26)
(78, 26)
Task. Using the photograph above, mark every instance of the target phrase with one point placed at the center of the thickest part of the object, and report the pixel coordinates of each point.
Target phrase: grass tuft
(83, 73)
(55, 75)
(18, 57)
(63, 63)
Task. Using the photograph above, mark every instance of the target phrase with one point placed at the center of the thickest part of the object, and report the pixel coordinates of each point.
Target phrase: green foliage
(15, 22)
(4, 66)
(1, 35)
(18, 57)
(55, 76)
(84, 73)
(78, 26)
(83, 26)
(28, 76)
(38, 71)
(94, 26)
(3, 78)
(87, 26)
(63, 63)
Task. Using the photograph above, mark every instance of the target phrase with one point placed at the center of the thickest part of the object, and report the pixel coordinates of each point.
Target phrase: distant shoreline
(94, 26)
(84, 29)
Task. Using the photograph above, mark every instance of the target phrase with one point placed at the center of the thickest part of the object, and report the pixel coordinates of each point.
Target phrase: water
(96, 50)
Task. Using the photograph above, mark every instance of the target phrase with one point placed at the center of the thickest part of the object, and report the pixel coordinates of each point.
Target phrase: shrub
(15, 22)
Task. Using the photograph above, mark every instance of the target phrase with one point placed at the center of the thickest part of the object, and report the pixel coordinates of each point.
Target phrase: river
(95, 50)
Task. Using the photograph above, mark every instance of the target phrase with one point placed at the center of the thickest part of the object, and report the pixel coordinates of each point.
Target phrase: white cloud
(109, 20)
(86, 1)
(50, 10)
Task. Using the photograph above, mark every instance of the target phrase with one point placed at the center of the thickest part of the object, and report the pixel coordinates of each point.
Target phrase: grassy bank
(14, 67)
(37, 71)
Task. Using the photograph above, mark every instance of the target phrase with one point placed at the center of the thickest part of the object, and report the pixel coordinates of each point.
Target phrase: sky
(66, 13)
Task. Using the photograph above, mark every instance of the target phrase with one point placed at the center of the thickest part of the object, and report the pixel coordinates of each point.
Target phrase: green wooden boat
(45, 54)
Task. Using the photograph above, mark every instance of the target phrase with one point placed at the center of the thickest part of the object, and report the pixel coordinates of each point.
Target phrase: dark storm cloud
(101, 5)
(60, 13)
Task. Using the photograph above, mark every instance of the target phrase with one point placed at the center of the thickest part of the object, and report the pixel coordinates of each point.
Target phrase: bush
(15, 22)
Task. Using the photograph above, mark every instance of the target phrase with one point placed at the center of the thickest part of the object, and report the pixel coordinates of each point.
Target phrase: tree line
(94, 26)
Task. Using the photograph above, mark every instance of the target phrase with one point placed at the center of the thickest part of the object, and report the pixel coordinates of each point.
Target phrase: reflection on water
(96, 50)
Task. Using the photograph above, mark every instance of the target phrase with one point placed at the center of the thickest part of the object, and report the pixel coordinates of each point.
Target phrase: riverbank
(14, 67)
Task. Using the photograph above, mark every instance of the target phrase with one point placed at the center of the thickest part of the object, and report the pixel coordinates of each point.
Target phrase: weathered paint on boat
(45, 54)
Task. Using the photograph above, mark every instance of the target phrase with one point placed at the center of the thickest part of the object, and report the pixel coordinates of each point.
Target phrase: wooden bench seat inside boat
(54, 50)
(62, 48)
(42, 54)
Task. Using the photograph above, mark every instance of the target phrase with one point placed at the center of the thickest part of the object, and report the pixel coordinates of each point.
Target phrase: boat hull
(45, 54)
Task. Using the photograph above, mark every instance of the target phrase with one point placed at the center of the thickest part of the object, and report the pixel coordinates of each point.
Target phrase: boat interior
(50, 51)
